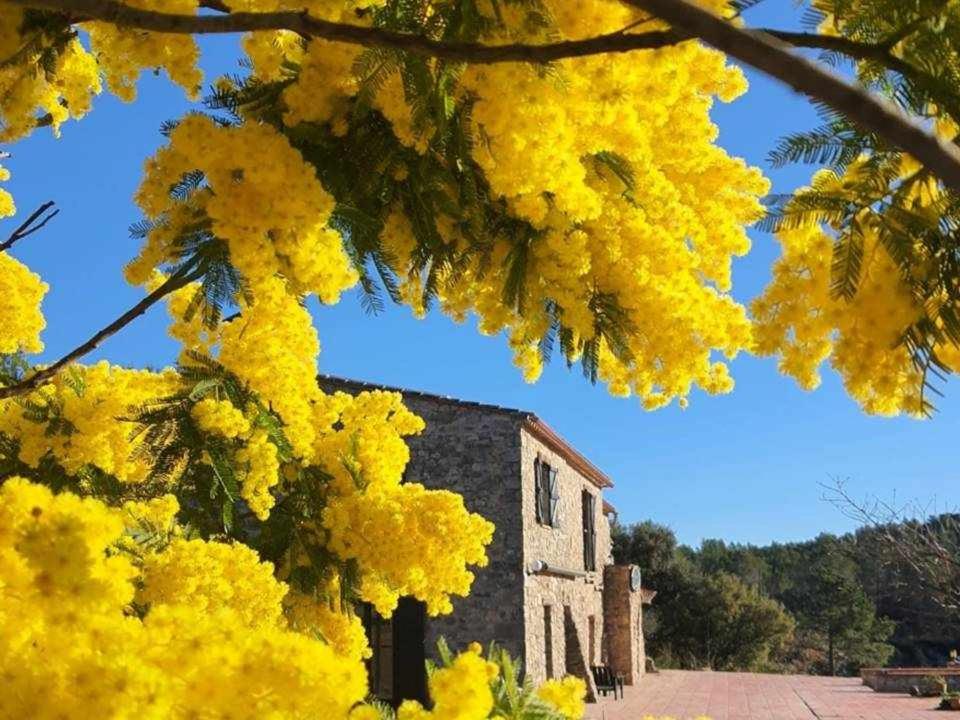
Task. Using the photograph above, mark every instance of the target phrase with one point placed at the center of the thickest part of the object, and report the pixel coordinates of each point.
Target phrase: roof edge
(362, 385)
(533, 424)
(552, 439)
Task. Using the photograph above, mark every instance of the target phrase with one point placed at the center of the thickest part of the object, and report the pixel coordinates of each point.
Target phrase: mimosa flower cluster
(123, 53)
(220, 417)
(325, 615)
(31, 97)
(661, 248)
(460, 691)
(467, 687)
(21, 292)
(7, 206)
(801, 321)
(74, 420)
(210, 575)
(566, 695)
(431, 536)
(207, 637)
(272, 215)
(73, 649)
(273, 348)
(67, 89)
(359, 441)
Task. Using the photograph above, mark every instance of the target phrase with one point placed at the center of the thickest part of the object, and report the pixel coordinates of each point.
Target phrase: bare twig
(773, 57)
(29, 226)
(930, 548)
(176, 281)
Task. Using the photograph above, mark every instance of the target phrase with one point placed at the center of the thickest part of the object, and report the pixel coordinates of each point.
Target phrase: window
(547, 493)
(548, 640)
(589, 531)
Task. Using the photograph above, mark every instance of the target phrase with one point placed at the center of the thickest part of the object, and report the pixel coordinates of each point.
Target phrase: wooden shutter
(536, 489)
(589, 532)
(554, 498)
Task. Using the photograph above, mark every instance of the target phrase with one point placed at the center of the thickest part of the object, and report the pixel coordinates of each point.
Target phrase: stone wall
(487, 455)
(473, 450)
(560, 547)
(902, 680)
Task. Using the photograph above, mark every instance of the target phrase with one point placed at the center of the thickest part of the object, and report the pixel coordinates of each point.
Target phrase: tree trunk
(833, 670)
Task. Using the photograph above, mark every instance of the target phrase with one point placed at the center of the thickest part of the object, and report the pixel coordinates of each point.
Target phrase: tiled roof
(533, 424)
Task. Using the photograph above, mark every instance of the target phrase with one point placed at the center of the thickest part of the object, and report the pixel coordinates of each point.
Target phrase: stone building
(550, 594)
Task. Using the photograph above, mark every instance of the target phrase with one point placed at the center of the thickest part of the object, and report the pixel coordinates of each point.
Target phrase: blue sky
(746, 467)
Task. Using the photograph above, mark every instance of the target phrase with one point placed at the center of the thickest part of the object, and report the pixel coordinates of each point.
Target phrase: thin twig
(917, 543)
(875, 52)
(176, 281)
(27, 227)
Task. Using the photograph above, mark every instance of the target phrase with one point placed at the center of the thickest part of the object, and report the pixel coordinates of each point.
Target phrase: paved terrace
(749, 696)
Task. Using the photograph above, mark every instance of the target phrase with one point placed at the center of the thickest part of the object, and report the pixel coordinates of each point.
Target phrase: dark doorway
(397, 669)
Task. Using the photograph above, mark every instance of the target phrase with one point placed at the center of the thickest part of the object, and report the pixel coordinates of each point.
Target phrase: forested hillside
(826, 606)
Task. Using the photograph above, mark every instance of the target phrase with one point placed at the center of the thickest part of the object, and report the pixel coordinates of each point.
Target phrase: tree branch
(27, 227)
(773, 57)
(878, 53)
(176, 281)
(768, 52)
(305, 24)
(917, 542)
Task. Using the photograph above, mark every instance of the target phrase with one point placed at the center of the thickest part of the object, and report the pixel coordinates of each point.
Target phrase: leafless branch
(926, 542)
(174, 282)
(37, 219)
(771, 56)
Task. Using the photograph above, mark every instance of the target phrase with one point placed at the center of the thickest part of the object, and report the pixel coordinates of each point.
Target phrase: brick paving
(685, 695)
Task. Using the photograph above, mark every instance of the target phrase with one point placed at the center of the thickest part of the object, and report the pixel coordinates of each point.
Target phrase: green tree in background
(701, 618)
(809, 607)
(830, 603)
(737, 627)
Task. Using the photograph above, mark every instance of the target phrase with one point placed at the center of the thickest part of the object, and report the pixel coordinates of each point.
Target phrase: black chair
(606, 680)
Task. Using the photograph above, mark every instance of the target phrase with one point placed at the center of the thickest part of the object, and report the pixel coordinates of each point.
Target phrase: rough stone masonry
(540, 597)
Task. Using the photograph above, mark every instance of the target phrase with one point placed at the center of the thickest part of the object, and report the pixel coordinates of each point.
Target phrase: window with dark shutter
(589, 532)
(547, 493)
(554, 498)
